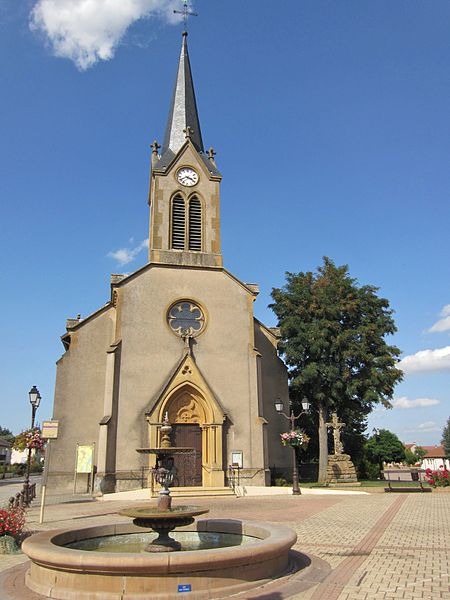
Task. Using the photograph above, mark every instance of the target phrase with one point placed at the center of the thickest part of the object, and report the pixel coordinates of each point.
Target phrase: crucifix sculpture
(336, 425)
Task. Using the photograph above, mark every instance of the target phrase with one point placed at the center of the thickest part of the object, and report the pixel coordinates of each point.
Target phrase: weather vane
(186, 12)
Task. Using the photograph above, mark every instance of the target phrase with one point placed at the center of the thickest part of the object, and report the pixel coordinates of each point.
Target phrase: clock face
(187, 176)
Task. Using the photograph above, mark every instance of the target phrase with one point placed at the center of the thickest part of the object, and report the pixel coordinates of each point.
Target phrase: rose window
(186, 318)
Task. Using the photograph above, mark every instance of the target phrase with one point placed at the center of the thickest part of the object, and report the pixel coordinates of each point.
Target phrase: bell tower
(184, 193)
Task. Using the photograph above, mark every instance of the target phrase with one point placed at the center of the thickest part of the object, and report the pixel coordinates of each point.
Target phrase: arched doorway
(186, 408)
(197, 420)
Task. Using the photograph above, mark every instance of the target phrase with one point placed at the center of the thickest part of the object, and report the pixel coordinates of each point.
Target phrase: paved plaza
(373, 546)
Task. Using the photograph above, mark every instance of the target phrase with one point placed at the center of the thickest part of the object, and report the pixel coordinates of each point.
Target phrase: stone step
(200, 492)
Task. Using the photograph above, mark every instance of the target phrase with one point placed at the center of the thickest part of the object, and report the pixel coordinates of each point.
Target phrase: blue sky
(331, 125)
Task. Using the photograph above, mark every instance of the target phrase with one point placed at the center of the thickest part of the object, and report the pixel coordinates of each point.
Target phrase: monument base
(341, 469)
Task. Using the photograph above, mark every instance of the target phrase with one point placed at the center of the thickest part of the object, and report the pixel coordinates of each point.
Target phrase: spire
(183, 112)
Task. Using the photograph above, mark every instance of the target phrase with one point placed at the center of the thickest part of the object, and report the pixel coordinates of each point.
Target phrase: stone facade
(127, 364)
(341, 469)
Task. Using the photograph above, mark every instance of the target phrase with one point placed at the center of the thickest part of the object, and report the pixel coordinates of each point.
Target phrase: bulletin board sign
(237, 459)
(85, 458)
(50, 430)
(84, 465)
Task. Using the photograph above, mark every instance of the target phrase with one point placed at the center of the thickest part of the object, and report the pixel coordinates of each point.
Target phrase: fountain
(164, 519)
(120, 562)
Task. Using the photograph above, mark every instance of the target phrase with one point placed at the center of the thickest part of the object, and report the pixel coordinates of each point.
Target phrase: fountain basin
(69, 574)
(138, 542)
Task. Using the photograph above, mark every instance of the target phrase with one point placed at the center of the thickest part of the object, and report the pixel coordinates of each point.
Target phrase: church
(178, 337)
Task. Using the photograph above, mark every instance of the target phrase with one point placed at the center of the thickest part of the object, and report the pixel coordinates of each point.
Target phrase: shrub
(281, 482)
(438, 478)
(19, 469)
(12, 521)
(36, 466)
(368, 470)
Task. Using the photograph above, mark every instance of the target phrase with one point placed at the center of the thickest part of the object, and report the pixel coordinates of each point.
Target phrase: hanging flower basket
(31, 438)
(295, 439)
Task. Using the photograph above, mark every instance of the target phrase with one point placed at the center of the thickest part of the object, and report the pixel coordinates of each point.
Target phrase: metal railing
(233, 477)
(24, 498)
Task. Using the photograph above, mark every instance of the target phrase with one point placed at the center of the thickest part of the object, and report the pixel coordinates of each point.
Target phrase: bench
(397, 478)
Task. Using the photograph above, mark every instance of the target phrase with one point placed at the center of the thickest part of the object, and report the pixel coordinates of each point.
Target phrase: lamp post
(292, 418)
(35, 400)
(376, 433)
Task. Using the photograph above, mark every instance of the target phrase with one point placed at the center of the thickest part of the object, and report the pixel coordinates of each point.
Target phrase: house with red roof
(435, 458)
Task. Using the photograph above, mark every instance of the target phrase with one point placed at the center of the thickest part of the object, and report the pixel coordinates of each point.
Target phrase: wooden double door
(188, 465)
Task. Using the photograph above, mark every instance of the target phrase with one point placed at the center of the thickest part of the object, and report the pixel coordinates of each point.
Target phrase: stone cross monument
(340, 469)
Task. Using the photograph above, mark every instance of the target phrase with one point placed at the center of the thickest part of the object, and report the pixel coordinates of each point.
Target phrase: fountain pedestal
(163, 522)
(163, 519)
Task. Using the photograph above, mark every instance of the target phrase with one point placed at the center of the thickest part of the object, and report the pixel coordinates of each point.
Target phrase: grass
(365, 483)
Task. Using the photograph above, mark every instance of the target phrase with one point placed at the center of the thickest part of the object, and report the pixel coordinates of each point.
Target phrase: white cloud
(444, 323)
(427, 427)
(405, 403)
(123, 256)
(426, 360)
(86, 31)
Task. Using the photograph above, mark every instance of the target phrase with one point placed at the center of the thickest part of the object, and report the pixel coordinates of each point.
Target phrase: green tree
(446, 438)
(411, 458)
(384, 446)
(333, 342)
(6, 434)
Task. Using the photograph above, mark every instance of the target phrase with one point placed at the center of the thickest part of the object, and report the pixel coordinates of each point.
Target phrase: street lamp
(376, 434)
(292, 418)
(35, 400)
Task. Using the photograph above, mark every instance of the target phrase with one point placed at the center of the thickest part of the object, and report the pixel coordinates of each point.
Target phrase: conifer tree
(446, 438)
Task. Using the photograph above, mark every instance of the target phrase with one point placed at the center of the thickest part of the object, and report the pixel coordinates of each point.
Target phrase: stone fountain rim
(46, 549)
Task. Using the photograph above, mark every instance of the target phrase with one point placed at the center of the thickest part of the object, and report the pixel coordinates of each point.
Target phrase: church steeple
(184, 185)
(183, 111)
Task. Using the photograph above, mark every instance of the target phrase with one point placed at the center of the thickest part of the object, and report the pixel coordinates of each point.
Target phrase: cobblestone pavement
(379, 546)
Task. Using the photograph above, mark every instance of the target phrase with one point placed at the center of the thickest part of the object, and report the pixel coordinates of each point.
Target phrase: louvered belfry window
(178, 223)
(195, 224)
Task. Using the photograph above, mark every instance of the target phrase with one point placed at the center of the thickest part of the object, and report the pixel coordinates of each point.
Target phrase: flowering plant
(31, 438)
(438, 478)
(295, 438)
(12, 521)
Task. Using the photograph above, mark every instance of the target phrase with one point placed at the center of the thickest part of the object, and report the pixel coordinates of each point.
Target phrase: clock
(187, 176)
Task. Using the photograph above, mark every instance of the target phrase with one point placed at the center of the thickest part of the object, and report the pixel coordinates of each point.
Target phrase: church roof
(183, 111)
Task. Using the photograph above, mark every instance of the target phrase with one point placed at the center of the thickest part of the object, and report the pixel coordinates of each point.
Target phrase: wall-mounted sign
(237, 459)
(184, 587)
(50, 429)
(85, 458)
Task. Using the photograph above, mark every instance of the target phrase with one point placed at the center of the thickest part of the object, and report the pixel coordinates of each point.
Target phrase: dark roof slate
(183, 111)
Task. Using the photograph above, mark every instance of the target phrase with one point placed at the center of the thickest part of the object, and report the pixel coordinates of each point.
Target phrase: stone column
(105, 483)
